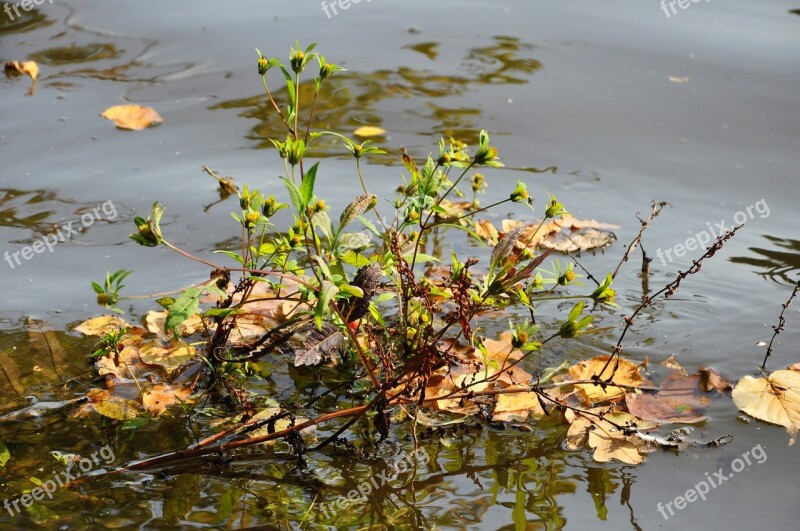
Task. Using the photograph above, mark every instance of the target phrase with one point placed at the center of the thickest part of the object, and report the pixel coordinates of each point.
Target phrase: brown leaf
(161, 396)
(672, 364)
(678, 400)
(109, 405)
(133, 117)
(775, 399)
(710, 380)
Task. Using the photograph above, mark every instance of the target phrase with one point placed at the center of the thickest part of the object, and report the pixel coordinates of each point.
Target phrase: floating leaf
(162, 396)
(517, 407)
(133, 117)
(775, 399)
(368, 130)
(626, 374)
(678, 400)
(102, 325)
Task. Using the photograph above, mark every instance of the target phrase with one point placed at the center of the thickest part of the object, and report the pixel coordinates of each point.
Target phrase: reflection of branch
(781, 322)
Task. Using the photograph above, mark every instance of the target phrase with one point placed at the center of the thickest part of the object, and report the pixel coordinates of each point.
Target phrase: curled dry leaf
(161, 396)
(565, 234)
(775, 399)
(133, 117)
(710, 380)
(516, 407)
(29, 68)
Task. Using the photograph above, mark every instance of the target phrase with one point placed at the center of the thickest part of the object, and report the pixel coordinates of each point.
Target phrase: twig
(781, 322)
(655, 210)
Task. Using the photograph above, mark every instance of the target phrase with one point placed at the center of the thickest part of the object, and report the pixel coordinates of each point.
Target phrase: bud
(520, 193)
(263, 66)
(298, 61)
(486, 155)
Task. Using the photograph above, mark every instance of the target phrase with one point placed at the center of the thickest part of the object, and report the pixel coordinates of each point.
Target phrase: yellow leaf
(775, 399)
(515, 407)
(109, 405)
(368, 130)
(627, 373)
(133, 117)
(102, 325)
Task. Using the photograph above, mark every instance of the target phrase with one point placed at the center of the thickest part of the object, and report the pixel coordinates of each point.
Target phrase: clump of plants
(356, 291)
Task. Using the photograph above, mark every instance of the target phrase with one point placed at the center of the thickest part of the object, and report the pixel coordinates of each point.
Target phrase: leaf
(563, 234)
(307, 186)
(133, 117)
(102, 325)
(710, 379)
(368, 130)
(162, 396)
(327, 292)
(319, 343)
(29, 68)
(516, 407)
(178, 353)
(679, 400)
(112, 406)
(186, 305)
(627, 373)
(354, 240)
(5, 455)
(775, 399)
(294, 194)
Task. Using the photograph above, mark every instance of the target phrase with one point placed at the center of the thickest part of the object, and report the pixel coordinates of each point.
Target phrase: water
(608, 106)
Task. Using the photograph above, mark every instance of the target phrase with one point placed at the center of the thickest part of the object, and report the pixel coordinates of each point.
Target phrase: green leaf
(231, 255)
(5, 455)
(97, 288)
(186, 305)
(294, 194)
(326, 293)
(307, 186)
(289, 83)
(354, 259)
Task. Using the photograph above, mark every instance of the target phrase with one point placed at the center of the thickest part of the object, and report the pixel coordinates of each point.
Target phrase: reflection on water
(352, 99)
(780, 263)
(73, 53)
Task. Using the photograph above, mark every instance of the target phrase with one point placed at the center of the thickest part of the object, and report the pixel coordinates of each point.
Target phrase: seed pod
(356, 208)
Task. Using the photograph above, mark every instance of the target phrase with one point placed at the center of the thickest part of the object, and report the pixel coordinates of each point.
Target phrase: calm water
(607, 105)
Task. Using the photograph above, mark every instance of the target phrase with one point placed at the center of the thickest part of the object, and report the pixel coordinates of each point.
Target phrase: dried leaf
(627, 374)
(679, 400)
(29, 68)
(102, 325)
(161, 396)
(133, 117)
(319, 343)
(710, 380)
(775, 399)
(516, 407)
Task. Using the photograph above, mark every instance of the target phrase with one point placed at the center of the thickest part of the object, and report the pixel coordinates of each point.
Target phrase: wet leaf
(169, 358)
(29, 68)
(679, 400)
(564, 234)
(102, 325)
(367, 131)
(112, 406)
(710, 380)
(162, 396)
(775, 399)
(133, 117)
